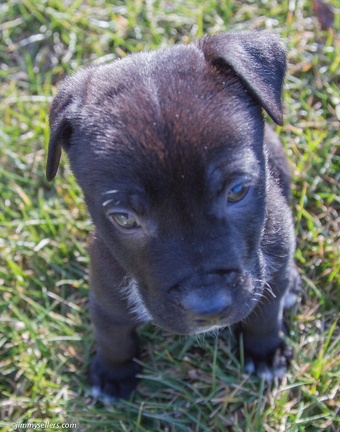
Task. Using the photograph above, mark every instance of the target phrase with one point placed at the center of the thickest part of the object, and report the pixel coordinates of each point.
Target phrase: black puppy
(188, 194)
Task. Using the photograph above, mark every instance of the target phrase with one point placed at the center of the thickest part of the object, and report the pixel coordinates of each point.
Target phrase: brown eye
(237, 193)
(124, 220)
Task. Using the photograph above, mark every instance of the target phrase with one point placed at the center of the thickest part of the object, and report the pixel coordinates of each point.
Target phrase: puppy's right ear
(60, 132)
(259, 60)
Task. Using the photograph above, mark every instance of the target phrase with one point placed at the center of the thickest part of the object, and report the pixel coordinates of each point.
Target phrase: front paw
(112, 383)
(271, 366)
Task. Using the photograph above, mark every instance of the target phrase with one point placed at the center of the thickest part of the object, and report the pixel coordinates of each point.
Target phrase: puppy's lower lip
(201, 322)
(216, 318)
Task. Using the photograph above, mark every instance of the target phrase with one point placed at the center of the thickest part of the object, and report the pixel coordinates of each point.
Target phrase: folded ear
(60, 132)
(259, 60)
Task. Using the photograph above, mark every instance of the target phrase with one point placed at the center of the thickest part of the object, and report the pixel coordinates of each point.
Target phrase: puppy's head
(168, 149)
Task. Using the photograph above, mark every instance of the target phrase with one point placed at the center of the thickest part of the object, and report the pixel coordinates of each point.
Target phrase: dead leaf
(324, 13)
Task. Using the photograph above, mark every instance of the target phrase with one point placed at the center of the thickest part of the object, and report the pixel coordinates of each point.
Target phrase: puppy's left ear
(259, 60)
(60, 131)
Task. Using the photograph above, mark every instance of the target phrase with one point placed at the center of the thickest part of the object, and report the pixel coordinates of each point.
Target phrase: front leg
(266, 354)
(113, 371)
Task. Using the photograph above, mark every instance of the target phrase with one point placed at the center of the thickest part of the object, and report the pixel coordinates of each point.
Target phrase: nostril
(228, 275)
(222, 271)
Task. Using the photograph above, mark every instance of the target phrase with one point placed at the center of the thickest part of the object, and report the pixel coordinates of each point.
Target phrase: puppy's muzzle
(207, 299)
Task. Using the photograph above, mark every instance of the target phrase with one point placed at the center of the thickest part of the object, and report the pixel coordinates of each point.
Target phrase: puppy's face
(168, 149)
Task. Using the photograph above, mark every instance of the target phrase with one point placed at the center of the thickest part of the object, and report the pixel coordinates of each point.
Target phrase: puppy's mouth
(205, 324)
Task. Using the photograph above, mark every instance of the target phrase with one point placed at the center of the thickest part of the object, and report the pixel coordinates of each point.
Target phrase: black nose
(208, 298)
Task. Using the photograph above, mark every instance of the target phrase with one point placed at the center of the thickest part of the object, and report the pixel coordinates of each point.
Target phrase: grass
(46, 338)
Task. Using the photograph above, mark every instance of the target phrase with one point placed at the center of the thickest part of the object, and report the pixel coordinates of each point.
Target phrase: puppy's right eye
(237, 193)
(124, 220)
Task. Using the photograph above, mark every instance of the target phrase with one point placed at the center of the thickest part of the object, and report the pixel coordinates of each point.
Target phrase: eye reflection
(124, 220)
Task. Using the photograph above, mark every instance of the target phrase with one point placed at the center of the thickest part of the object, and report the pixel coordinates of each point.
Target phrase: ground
(188, 383)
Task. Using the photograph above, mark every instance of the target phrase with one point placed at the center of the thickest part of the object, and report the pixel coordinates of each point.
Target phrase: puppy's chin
(213, 329)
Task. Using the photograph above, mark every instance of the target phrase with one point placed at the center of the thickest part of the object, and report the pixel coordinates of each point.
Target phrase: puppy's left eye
(237, 192)
(124, 220)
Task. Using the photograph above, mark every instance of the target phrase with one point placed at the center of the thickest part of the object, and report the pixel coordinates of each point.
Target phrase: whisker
(113, 191)
(109, 201)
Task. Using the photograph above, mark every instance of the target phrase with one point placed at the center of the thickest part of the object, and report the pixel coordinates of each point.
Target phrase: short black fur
(188, 191)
